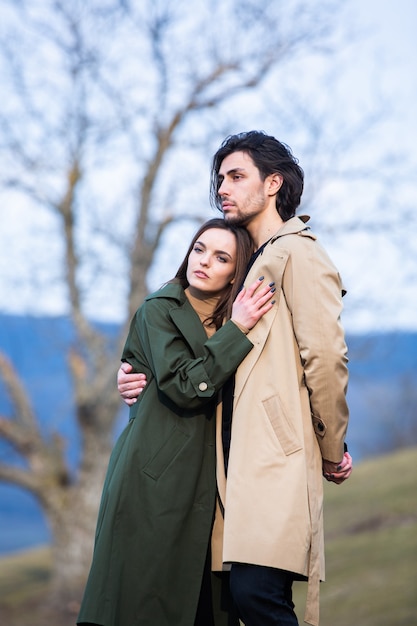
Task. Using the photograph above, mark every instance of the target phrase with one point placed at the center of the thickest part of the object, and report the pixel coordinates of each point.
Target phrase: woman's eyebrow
(200, 243)
(223, 252)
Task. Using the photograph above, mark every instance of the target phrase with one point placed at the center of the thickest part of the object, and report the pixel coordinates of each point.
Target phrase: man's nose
(222, 190)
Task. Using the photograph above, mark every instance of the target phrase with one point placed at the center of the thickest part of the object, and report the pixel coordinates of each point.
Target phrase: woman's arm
(181, 377)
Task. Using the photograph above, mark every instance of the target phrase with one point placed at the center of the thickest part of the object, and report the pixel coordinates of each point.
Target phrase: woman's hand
(252, 303)
(338, 472)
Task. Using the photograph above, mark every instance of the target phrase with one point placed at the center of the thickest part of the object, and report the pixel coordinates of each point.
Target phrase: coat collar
(171, 291)
(293, 226)
(183, 315)
(277, 256)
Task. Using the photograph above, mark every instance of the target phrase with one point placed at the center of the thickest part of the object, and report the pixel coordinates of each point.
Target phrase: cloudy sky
(378, 268)
(374, 267)
(384, 270)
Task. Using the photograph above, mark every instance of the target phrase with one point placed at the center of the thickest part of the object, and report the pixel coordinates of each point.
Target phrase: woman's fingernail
(273, 290)
(273, 302)
(261, 277)
(272, 284)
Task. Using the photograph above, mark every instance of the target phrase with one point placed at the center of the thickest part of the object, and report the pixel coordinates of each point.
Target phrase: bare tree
(103, 98)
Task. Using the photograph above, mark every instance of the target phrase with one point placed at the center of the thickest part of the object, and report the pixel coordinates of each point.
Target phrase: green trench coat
(157, 507)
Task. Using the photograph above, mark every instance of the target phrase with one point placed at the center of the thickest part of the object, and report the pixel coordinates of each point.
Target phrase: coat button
(203, 386)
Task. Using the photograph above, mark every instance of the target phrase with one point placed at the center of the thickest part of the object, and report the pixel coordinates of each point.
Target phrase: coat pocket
(166, 454)
(283, 428)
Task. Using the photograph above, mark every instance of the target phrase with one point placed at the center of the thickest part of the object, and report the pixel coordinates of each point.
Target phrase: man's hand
(130, 385)
(338, 472)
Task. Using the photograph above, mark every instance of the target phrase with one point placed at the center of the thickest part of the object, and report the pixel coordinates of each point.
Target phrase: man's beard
(238, 219)
(254, 205)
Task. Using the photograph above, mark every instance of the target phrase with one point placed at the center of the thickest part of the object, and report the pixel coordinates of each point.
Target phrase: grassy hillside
(371, 555)
(371, 546)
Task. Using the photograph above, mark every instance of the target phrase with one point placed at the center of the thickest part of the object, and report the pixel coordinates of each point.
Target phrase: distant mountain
(381, 368)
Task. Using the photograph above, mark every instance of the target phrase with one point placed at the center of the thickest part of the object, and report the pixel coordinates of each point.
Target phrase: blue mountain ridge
(379, 364)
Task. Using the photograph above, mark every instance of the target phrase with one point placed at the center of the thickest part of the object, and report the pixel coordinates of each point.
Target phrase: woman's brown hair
(244, 250)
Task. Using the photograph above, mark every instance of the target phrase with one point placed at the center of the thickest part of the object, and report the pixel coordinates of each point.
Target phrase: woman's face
(212, 263)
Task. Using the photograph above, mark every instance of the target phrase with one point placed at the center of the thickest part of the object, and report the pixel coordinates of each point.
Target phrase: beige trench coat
(289, 411)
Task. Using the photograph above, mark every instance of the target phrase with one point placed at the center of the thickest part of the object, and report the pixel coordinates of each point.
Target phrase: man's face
(242, 191)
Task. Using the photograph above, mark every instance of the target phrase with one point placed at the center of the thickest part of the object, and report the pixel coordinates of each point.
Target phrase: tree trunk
(72, 515)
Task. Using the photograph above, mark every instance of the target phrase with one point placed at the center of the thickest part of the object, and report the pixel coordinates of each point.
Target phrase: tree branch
(18, 476)
(25, 417)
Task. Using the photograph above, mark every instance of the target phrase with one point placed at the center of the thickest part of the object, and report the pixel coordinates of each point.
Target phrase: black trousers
(215, 599)
(263, 595)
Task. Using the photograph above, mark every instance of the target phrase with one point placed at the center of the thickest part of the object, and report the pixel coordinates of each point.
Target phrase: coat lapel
(271, 263)
(190, 326)
(184, 317)
(258, 336)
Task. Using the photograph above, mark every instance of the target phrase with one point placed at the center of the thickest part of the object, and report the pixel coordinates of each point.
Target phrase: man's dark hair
(270, 157)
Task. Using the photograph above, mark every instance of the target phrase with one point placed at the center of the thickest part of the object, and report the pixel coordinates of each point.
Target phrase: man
(289, 395)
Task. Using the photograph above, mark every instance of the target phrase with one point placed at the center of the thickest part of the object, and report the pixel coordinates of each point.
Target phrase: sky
(382, 268)
(372, 265)
(379, 273)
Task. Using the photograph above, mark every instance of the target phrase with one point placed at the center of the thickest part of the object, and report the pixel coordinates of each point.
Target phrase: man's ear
(275, 183)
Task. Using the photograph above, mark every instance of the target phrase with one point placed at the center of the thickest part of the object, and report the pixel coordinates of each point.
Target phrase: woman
(151, 563)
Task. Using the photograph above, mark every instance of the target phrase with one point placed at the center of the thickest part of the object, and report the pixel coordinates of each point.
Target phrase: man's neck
(264, 227)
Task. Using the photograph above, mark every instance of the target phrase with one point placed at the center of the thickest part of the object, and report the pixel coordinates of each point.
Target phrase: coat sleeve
(187, 371)
(313, 292)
